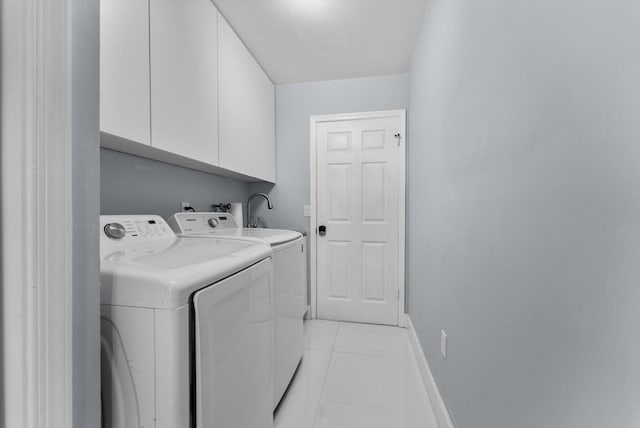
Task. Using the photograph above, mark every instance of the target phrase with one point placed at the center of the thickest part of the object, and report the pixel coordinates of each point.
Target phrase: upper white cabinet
(124, 69)
(177, 85)
(184, 78)
(246, 102)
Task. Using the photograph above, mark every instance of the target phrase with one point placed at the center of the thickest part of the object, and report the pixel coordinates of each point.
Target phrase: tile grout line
(324, 379)
(369, 354)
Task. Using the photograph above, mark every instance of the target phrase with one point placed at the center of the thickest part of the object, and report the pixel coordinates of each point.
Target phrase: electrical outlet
(184, 206)
(307, 210)
(443, 344)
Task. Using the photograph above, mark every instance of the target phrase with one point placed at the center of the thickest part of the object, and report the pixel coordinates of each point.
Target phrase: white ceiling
(311, 40)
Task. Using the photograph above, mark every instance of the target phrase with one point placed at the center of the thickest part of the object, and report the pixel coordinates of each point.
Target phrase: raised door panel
(124, 69)
(247, 110)
(374, 279)
(184, 68)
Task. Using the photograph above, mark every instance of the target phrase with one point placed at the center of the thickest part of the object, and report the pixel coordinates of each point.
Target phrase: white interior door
(359, 202)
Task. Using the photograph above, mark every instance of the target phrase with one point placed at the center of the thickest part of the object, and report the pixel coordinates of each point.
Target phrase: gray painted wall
(134, 185)
(524, 210)
(85, 24)
(295, 104)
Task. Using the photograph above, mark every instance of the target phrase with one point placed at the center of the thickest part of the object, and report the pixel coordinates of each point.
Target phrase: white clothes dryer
(186, 328)
(289, 282)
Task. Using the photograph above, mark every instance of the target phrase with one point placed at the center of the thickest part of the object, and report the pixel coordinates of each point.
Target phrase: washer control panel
(133, 228)
(201, 222)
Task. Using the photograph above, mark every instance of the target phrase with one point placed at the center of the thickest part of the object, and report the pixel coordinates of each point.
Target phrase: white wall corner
(437, 403)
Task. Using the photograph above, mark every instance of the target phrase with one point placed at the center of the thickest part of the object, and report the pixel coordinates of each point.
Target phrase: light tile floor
(355, 376)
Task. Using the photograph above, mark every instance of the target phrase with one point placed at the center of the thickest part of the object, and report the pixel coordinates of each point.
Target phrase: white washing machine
(186, 328)
(289, 282)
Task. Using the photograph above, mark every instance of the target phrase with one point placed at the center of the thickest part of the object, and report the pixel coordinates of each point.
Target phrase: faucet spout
(269, 205)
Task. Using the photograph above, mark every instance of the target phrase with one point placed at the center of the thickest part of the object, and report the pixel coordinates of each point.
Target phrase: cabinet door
(124, 69)
(184, 69)
(247, 110)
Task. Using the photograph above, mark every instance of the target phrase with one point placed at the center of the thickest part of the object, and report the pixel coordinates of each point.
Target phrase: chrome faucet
(269, 205)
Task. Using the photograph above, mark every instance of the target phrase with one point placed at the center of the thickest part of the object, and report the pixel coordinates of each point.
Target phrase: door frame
(36, 303)
(313, 122)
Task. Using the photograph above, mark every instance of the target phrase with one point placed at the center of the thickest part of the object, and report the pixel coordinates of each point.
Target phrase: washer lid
(271, 236)
(163, 273)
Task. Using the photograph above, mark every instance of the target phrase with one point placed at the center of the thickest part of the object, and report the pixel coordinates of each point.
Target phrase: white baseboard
(439, 408)
(403, 321)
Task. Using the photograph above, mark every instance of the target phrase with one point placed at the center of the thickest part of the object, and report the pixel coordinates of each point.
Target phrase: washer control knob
(114, 230)
(213, 222)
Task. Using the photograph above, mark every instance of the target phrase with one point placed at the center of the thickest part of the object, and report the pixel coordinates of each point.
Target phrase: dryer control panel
(201, 222)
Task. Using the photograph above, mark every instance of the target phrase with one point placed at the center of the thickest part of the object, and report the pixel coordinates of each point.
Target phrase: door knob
(322, 230)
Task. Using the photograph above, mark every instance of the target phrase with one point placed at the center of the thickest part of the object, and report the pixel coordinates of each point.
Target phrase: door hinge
(397, 138)
(398, 297)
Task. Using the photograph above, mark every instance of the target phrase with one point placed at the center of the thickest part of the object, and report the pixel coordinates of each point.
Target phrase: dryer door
(234, 350)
